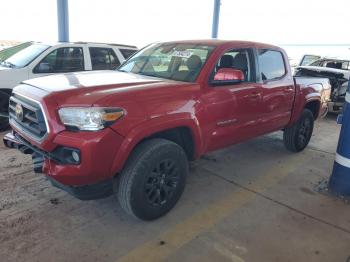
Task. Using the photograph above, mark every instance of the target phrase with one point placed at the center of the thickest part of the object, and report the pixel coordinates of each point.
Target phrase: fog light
(75, 156)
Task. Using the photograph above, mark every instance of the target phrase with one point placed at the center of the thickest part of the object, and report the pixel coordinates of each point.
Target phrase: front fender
(155, 125)
(304, 95)
(12, 77)
(299, 107)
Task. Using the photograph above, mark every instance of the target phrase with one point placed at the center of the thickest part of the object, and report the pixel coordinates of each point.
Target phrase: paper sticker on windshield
(183, 54)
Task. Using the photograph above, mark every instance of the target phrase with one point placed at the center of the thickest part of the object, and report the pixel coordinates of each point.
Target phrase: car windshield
(25, 56)
(175, 61)
(10, 51)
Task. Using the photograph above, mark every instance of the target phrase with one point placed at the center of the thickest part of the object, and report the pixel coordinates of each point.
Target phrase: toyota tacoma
(131, 132)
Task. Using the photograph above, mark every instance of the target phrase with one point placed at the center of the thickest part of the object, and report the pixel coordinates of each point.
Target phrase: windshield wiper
(148, 74)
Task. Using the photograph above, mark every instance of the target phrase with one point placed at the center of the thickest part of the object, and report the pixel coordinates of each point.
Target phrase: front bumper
(93, 172)
(88, 192)
(335, 107)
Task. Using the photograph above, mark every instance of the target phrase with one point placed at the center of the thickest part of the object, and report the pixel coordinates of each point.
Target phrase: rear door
(278, 89)
(234, 109)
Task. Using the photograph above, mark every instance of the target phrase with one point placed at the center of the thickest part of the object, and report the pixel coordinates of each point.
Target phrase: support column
(339, 183)
(216, 15)
(63, 20)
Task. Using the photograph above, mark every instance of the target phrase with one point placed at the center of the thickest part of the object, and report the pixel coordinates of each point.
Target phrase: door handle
(253, 95)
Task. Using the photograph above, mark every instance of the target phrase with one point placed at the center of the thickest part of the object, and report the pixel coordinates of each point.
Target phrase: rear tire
(153, 179)
(4, 104)
(297, 137)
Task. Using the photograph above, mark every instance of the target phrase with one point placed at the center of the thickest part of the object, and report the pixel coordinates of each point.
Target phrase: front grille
(27, 116)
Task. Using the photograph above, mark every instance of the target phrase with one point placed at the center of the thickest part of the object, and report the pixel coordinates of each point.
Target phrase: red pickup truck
(132, 131)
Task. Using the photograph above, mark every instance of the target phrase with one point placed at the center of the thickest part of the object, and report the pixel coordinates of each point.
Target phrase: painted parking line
(206, 219)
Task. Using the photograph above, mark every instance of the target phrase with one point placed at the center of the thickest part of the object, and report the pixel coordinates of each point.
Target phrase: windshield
(309, 59)
(8, 52)
(175, 61)
(25, 56)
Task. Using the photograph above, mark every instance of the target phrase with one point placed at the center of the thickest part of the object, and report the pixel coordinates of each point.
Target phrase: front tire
(297, 137)
(153, 179)
(4, 104)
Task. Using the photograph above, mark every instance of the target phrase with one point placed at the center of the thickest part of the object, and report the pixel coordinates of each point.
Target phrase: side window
(127, 52)
(236, 59)
(62, 60)
(271, 64)
(103, 58)
(345, 65)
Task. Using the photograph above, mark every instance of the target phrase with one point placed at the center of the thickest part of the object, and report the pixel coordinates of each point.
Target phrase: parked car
(315, 60)
(40, 59)
(336, 70)
(132, 132)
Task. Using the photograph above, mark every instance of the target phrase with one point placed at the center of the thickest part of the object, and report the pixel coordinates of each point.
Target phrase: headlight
(89, 119)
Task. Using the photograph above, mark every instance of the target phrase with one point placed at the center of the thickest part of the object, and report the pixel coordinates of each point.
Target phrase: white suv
(40, 59)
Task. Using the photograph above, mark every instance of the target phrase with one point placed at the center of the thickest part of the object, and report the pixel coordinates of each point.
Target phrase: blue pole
(216, 15)
(63, 20)
(339, 182)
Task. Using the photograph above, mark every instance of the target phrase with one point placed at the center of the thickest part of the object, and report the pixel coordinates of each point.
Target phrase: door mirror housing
(228, 76)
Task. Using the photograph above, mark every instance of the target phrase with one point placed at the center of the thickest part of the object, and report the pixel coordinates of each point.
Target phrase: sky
(139, 22)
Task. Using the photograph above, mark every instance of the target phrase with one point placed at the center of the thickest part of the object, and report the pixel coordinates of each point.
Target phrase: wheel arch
(6, 91)
(314, 106)
(185, 133)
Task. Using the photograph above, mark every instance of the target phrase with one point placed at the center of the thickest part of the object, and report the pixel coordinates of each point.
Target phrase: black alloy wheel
(161, 183)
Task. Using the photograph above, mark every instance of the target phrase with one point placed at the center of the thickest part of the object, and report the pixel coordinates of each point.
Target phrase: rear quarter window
(103, 58)
(127, 52)
(271, 64)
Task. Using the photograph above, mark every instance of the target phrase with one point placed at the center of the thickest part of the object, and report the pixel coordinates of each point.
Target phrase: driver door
(234, 109)
(60, 60)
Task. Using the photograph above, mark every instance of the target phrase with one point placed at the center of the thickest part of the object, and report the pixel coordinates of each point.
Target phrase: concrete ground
(250, 202)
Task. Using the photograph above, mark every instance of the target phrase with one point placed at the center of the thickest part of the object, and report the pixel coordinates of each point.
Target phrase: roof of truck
(86, 43)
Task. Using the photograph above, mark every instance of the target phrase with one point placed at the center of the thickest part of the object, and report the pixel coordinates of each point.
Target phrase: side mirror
(44, 68)
(227, 76)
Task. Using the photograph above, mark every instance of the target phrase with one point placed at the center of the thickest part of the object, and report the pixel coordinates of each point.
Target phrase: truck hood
(64, 82)
(88, 88)
(337, 77)
(331, 71)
